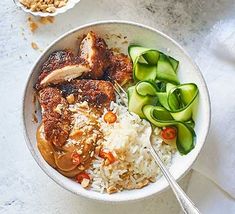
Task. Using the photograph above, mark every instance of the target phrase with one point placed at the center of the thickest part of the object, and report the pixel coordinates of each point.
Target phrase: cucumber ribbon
(179, 100)
(158, 96)
(176, 109)
(160, 117)
(149, 64)
(143, 93)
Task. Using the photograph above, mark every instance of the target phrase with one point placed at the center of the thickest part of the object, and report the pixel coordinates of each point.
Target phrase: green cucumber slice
(136, 51)
(188, 94)
(174, 101)
(151, 57)
(145, 88)
(161, 117)
(144, 62)
(165, 72)
(145, 72)
(137, 101)
(190, 123)
(162, 98)
(179, 100)
(174, 63)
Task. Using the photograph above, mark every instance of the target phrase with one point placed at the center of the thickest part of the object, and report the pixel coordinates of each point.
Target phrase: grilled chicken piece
(94, 51)
(120, 69)
(55, 116)
(61, 66)
(98, 93)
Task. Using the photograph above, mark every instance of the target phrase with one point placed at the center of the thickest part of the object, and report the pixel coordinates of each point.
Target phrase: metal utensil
(186, 204)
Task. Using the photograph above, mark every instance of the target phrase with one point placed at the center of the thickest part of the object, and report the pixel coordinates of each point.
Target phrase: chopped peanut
(33, 25)
(70, 98)
(85, 182)
(61, 4)
(112, 189)
(51, 9)
(34, 45)
(142, 184)
(76, 134)
(43, 5)
(46, 20)
(81, 167)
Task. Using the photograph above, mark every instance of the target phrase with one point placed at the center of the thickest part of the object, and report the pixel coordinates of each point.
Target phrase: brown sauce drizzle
(62, 158)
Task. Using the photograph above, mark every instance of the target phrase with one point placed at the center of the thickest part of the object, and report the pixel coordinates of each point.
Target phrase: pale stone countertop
(24, 188)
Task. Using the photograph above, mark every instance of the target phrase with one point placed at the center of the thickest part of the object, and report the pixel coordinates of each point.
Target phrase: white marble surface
(24, 188)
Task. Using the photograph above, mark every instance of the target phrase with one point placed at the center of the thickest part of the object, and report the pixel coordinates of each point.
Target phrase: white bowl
(70, 4)
(136, 34)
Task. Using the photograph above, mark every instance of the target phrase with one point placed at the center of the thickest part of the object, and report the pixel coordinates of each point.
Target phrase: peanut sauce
(61, 158)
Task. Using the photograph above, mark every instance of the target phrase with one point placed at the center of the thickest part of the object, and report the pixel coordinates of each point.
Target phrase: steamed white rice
(127, 139)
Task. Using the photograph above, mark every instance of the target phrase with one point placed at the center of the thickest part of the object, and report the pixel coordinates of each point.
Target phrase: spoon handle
(186, 204)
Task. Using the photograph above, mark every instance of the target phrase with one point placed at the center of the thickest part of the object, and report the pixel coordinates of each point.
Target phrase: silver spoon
(186, 204)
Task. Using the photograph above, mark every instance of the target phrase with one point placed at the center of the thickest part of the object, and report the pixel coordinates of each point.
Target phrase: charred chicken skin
(94, 61)
(60, 66)
(120, 69)
(94, 51)
(55, 116)
(56, 60)
(98, 93)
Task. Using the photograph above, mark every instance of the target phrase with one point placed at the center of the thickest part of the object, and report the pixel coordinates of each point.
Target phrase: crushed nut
(61, 4)
(34, 45)
(129, 186)
(84, 105)
(51, 9)
(81, 167)
(85, 183)
(43, 5)
(46, 20)
(32, 25)
(70, 99)
(111, 189)
(79, 151)
(76, 134)
(58, 108)
(142, 184)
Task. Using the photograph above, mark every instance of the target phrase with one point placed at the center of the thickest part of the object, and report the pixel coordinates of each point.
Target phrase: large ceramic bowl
(120, 34)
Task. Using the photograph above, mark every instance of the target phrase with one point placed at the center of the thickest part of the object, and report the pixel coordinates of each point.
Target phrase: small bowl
(120, 34)
(70, 4)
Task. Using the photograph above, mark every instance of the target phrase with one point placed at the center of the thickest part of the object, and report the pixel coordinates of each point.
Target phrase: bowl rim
(103, 22)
